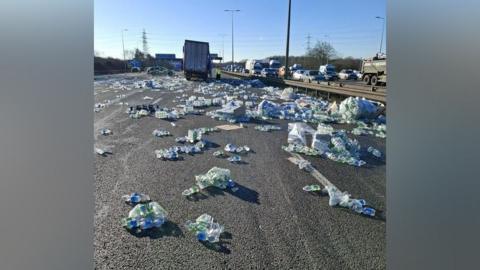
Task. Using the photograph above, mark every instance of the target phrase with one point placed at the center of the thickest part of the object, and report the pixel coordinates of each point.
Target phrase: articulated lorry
(374, 70)
(196, 59)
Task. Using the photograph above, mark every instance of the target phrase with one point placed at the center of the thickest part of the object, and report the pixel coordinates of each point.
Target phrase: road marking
(156, 101)
(296, 158)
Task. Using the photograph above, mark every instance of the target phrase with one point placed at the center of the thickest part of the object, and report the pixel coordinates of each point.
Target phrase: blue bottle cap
(202, 236)
(135, 198)
(132, 224)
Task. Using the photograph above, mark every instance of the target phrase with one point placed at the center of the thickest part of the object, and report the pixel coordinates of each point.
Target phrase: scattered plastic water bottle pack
(216, 177)
(205, 229)
(173, 152)
(343, 199)
(161, 133)
(267, 128)
(145, 216)
(235, 149)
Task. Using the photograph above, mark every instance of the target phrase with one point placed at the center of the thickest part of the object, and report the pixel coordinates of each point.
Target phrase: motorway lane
(270, 222)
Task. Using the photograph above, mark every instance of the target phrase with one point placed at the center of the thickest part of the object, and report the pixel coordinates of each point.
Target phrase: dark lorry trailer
(196, 59)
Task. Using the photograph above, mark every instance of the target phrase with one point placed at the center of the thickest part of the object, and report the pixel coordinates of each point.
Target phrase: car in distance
(359, 75)
(328, 71)
(347, 74)
(312, 76)
(298, 75)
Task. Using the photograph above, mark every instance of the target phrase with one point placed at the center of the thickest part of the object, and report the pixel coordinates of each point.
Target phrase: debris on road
(355, 108)
(147, 98)
(343, 199)
(377, 130)
(161, 133)
(235, 149)
(267, 128)
(334, 145)
(163, 114)
(297, 131)
(205, 229)
(145, 216)
(105, 131)
(304, 164)
(374, 152)
(288, 94)
(233, 112)
(312, 188)
(216, 177)
(234, 159)
(181, 139)
(219, 154)
(135, 198)
(102, 152)
(229, 127)
(336, 196)
(324, 129)
(193, 135)
(173, 152)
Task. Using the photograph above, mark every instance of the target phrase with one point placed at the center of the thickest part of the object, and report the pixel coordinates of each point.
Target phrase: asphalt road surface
(270, 222)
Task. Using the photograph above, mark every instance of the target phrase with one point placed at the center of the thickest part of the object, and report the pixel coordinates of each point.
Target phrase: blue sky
(260, 26)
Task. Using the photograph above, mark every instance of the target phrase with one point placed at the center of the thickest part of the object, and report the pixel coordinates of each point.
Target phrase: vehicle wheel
(366, 79)
(374, 80)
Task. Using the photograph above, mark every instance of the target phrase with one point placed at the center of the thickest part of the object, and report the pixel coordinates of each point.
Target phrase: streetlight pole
(383, 29)
(123, 48)
(288, 40)
(232, 11)
(223, 46)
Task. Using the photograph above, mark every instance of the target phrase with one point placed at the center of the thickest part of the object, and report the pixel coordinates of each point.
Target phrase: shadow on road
(373, 162)
(210, 145)
(260, 122)
(167, 229)
(241, 162)
(244, 193)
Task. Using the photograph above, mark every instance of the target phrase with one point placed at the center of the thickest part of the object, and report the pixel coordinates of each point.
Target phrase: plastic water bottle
(312, 188)
(234, 159)
(368, 211)
(136, 198)
(374, 152)
(191, 191)
(99, 151)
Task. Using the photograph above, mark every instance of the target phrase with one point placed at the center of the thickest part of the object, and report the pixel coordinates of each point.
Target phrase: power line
(145, 42)
(309, 37)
